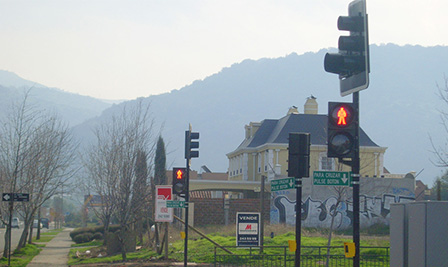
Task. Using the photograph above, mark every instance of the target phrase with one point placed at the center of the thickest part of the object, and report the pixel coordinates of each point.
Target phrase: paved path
(55, 253)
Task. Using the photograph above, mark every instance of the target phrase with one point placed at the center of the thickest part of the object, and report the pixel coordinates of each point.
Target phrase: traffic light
(352, 61)
(299, 155)
(189, 144)
(342, 130)
(180, 181)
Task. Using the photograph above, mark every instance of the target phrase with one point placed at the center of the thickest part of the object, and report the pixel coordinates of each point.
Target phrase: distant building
(264, 151)
(421, 191)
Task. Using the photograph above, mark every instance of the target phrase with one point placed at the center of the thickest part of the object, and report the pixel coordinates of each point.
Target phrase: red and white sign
(162, 213)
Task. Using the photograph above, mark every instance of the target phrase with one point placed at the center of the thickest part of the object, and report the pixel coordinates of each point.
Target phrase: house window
(325, 163)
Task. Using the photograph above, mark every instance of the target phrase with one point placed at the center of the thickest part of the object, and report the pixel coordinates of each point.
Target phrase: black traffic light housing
(351, 63)
(191, 145)
(342, 130)
(180, 181)
(299, 155)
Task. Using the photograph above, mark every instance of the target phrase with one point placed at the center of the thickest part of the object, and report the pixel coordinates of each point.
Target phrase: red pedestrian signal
(341, 130)
(342, 114)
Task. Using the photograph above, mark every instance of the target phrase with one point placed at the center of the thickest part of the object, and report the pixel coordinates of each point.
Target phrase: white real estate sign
(162, 212)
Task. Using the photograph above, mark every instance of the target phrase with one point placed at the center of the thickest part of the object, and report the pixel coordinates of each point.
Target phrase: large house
(264, 151)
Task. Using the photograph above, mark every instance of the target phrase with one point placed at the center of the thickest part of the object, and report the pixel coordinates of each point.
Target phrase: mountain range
(400, 109)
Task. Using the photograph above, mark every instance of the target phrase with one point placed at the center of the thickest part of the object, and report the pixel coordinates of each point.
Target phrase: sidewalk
(55, 253)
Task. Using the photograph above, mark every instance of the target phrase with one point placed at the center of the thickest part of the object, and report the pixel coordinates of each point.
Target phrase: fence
(311, 256)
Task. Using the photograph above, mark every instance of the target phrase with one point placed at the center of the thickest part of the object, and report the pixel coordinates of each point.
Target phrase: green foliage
(443, 179)
(92, 230)
(74, 219)
(21, 258)
(201, 250)
(374, 230)
(83, 238)
(131, 256)
(160, 163)
(97, 236)
(94, 243)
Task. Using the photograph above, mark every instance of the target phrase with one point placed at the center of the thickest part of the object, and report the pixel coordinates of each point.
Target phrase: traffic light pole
(298, 167)
(187, 199)
(298, 220)
(355, 182)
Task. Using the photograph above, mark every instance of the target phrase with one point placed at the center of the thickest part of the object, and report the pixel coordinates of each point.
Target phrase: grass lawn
(26, 254)
(47, 236)
(94, 243)
(202, 251)
(23, 257)
(84, 258)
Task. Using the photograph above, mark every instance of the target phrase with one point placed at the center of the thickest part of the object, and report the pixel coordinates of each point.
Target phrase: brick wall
(211, 211)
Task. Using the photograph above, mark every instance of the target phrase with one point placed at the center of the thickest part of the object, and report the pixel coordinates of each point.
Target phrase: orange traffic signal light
(179, 174)
(179, 181)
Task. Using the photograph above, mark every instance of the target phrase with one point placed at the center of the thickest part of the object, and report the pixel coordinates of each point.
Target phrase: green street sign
(282, 184)
(331, 178)
(175, 204)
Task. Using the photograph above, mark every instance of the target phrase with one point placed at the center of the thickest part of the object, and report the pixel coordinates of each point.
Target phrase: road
(16, 233)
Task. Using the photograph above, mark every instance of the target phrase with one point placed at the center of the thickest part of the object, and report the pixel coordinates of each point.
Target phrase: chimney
(311, 105)
(293, 110)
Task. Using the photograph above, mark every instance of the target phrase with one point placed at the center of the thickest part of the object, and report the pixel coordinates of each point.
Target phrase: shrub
(78, 231)
(92, 231)
(83, 238)
(114, 228)
(97, 236)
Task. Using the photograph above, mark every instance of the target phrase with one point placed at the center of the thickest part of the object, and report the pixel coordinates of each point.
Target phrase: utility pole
(355, 182)
(298, 167)
(263, 181)
(190, 152)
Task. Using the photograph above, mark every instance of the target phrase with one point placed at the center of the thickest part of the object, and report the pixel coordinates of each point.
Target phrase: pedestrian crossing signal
(342, 126)
(180, 181)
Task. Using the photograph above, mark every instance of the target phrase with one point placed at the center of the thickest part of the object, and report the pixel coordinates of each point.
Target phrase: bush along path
(55, 253)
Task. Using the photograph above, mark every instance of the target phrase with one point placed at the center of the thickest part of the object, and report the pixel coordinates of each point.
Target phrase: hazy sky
(127, 49)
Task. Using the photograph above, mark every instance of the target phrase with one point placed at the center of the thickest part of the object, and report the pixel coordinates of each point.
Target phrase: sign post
(332, 178)
(248, 229)
(11, 197)
(175, 204)
(282, 184)
(19, 197)
(163, 213)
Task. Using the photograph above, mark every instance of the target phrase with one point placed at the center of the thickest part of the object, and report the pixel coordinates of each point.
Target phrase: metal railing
(311, 256)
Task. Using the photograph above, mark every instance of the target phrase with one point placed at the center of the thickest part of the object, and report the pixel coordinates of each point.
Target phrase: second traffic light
(299, 155)
(352, 61)
(342, 130)
(180, 181)
(191, 145)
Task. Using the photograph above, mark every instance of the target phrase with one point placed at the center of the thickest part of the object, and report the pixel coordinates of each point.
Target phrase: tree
(160, 179)
(114, 165)
(160, 163)
(441, 151)
(439, 190)
(36, 157)
(140, 192)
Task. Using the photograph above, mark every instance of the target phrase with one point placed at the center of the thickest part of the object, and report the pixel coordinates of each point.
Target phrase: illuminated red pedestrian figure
(342, 114)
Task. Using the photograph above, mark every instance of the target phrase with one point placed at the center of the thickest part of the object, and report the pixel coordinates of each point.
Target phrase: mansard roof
(277, 131)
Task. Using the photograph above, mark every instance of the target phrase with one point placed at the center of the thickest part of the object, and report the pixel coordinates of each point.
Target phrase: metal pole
(11, 209)
(298, 220)
(187, 198)
(355, 179)
(262, 212)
